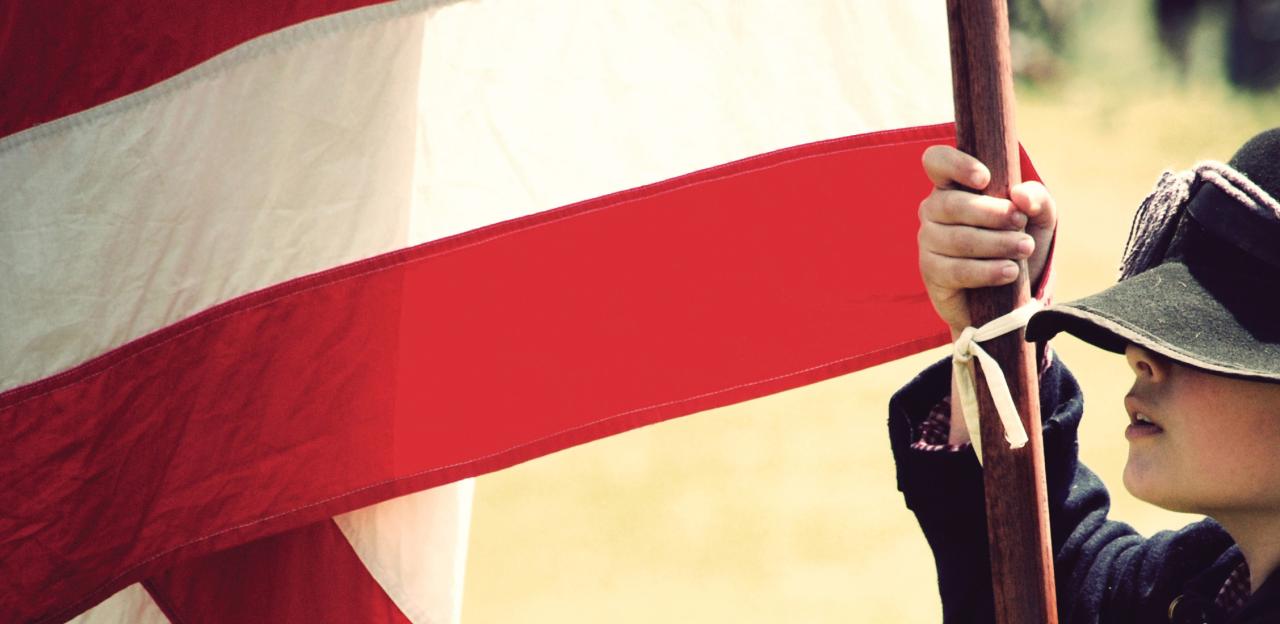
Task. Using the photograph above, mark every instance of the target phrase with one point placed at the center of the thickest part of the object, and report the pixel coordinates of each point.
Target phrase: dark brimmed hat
(1200, 280)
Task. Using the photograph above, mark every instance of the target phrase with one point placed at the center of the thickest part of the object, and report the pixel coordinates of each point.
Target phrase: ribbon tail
(1014, 433)
(965, 386)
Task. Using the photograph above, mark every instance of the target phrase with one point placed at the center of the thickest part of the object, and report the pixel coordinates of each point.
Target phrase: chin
(1139, 486)
(1147, 486)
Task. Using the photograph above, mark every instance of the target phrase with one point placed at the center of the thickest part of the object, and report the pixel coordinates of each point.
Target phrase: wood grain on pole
(1017, 508)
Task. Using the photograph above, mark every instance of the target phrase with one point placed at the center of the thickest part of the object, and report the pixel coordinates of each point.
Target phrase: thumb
(1033, 200)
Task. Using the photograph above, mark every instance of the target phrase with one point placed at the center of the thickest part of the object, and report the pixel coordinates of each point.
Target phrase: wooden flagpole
(1017, 507)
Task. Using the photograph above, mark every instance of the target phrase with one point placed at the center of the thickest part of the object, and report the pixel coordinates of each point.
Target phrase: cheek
(1230, 455)
(1252, 454)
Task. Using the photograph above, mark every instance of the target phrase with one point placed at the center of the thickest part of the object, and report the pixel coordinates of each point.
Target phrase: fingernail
(1019, 220)
(1026, 245)
(1010, 271)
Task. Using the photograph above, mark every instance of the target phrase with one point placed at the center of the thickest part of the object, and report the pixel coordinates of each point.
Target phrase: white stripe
(131, 605)
(416, 548)
(526, 106)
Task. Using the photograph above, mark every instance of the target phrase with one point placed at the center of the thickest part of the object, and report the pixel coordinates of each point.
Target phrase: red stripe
(460, 357)
(309, 574)
(59, 57)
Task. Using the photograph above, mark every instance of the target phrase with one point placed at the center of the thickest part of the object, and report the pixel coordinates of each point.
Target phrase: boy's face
(1215, 444)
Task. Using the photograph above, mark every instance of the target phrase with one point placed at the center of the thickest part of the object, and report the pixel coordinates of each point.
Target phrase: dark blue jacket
(1105, 571)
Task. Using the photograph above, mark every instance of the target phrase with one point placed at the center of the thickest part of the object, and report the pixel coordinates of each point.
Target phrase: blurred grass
(784, 509)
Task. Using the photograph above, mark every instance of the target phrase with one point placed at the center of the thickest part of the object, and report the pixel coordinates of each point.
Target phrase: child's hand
(971, 241)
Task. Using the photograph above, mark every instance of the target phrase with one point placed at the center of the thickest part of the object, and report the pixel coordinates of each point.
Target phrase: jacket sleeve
(1105, 571)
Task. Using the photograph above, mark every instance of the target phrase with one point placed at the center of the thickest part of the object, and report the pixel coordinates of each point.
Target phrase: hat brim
(1171, 311)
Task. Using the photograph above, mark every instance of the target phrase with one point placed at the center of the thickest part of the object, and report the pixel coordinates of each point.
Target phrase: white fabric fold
(965, 349)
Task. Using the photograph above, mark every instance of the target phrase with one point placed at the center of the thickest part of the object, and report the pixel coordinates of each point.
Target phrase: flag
(280, 278)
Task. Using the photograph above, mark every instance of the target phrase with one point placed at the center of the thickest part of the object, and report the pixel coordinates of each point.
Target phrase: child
(1196, 316)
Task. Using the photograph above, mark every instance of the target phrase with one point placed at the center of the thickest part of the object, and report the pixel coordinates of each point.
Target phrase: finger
(948, 167)
(1033, 199)
(957, 273)
(965, 208)
(960, 241)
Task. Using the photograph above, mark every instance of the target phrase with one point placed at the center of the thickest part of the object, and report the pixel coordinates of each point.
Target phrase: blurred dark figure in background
(1037, 36)
(1253, 37)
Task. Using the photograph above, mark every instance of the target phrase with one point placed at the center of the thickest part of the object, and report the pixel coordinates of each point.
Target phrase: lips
(1141, 424)
(1141, 420)
(1138, 418)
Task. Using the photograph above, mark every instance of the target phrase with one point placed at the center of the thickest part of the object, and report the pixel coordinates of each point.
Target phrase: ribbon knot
(965, 349)
(964, 346)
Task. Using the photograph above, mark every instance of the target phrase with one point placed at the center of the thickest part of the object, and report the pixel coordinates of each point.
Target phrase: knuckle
(928, 237)
(951, 204)
(971, 274)
(927, 264)
(931, 271)
(944, 273)
(960, 242)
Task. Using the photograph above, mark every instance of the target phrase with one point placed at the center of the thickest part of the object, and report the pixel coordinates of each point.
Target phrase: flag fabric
(280, 278)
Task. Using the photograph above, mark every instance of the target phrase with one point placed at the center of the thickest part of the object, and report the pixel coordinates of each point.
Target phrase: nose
(1146, 364)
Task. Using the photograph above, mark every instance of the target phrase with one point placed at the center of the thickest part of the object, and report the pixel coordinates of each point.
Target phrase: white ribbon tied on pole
(967, 348)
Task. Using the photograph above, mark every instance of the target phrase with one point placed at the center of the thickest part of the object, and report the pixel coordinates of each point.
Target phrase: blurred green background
(784, 509)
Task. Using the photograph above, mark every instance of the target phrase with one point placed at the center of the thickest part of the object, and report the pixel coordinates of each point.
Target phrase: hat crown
(1235, 203)
(1241, 203)
(1259, 160)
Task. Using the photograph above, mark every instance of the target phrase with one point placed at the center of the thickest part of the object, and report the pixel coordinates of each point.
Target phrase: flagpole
(1017, 504)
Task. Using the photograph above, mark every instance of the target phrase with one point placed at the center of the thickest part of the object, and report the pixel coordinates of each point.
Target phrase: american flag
(280, 277)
